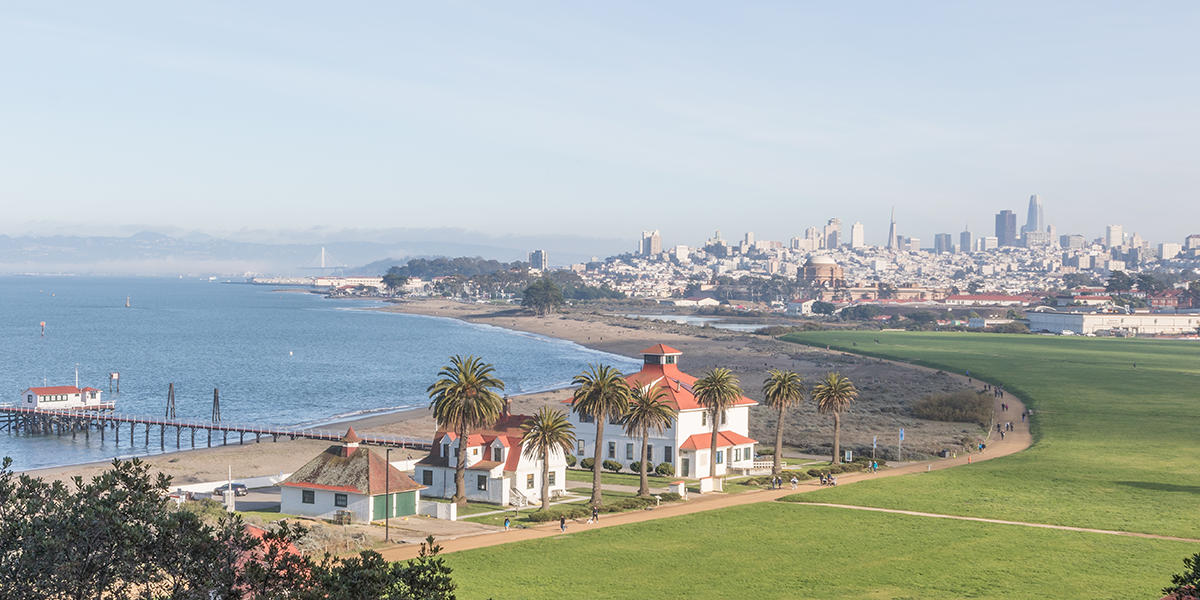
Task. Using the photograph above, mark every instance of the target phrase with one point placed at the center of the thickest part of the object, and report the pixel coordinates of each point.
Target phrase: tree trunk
(778, 441)
(837, 438)
(712, 458)
(596, 501)
(460, 470)
(545, 478)
(644, 486)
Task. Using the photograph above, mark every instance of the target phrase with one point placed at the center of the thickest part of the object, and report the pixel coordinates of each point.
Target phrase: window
(614, 420)
(529, 481)
(649, 453)
(552, 474)
(724, 417)
(667, 454)
(474, 451)
(308, 497)
(612, 449)
(339, 500)
(426, 477)
(481, 482)
(720, 456)
(704, 419)
(498, 454)
(580, 451)
(628, 451)
(586, 419)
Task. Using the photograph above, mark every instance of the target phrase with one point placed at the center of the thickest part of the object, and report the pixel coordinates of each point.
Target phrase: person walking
(794, 482)
(506, 523)
(562, 523)
(595, 515)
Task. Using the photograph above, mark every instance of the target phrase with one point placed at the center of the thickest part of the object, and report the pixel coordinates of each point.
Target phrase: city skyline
(215, 119)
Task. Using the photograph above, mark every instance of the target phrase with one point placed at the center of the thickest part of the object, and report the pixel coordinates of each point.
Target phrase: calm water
(278, 358)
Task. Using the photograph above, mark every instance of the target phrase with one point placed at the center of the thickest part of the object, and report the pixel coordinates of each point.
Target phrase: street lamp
(387, 491)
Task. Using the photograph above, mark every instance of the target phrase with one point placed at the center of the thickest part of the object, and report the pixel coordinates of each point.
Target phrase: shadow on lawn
(1161, 487)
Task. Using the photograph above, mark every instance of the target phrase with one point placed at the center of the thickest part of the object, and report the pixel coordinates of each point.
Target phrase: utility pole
(216, 408)
(170, 400)
(387, 490)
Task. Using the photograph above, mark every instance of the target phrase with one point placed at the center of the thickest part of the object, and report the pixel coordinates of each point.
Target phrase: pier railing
(86, 418)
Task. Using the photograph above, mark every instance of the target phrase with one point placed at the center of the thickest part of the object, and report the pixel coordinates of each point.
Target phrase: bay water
(278, 357)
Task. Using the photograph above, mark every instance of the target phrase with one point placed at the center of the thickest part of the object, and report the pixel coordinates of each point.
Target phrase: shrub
(636, 467)
(665, 469)
(570, 460)
(556, 512)
(765, 451)
(670, 497)
(964, 406)
(611, 465)
(587, 463)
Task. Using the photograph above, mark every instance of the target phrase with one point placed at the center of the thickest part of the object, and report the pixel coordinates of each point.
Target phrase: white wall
(291, 502)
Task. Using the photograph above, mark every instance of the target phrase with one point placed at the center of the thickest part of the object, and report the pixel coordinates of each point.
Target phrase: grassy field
(1116, 447)
(776, 550)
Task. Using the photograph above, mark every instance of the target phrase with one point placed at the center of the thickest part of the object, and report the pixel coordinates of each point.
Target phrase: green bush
(636, 467)
(665, 469)
(556, 512)
(670, 497)
(765, 451)
(611, 465)
(963, 406)
(587, 463)
(570, 460)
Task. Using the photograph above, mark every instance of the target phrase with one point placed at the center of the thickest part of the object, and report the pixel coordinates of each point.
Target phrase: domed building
(822, 271)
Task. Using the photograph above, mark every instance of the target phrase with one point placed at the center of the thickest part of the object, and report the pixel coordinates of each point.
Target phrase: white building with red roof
(63, 397)
(687, 442)
(497, 471)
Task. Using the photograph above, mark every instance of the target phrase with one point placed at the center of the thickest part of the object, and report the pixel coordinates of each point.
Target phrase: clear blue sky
(600, 118)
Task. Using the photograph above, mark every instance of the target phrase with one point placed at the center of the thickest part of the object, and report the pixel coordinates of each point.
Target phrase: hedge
(611, 465)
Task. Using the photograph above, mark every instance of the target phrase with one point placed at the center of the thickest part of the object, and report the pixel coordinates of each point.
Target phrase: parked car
(239, 489)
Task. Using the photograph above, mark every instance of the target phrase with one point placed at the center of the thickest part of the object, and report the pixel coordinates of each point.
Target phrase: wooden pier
(109, 424)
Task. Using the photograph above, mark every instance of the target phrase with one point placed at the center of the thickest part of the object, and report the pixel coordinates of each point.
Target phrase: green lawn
(777, 550)
(607, 478)
(1116, 447)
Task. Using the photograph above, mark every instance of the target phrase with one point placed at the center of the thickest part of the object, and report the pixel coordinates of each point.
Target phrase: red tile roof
(725, 439)
(660, 349)
(351, 437)
(55, 389)
(676, 384)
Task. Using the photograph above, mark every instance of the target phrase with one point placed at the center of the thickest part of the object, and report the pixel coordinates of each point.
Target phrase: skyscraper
(892, 242)
(1114, 236)
(1034, 219)
(833, 233)
(856, 235)
(965, 244)
(537, 260)
(942, 244)
(651, 243)
(1006, 228)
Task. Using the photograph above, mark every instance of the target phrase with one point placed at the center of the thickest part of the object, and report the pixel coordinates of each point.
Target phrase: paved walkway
(997, 521)
(1014, 441)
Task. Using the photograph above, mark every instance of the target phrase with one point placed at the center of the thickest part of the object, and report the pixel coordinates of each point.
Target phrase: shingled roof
(360, 472)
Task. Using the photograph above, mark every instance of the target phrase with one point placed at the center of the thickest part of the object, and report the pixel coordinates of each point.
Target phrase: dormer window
(498, 454)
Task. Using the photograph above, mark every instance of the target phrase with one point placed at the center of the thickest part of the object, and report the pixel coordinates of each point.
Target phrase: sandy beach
(885, 390)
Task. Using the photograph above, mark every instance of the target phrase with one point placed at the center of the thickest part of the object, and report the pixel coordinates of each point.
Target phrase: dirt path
(998, 521)
(1013, 442)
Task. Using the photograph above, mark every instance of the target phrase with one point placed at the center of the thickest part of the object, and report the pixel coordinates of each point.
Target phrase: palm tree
(602, 395)
(834, 395)
(543, 432)
(717, 391)
(464, 398)
(782, 390)
(647, 411)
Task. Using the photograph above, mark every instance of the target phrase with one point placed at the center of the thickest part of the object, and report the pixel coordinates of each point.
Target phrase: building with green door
(347, 480)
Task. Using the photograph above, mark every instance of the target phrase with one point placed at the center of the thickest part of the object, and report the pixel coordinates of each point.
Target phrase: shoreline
(748, 355)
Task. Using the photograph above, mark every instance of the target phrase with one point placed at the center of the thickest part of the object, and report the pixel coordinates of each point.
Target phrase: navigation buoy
(43, 329)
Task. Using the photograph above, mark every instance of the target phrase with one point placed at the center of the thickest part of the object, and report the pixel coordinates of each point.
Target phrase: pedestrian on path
(562, 523)
(506, 523)
(595, 515)
(794, 482)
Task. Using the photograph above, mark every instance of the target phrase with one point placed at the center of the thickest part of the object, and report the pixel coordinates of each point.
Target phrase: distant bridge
(63, 421)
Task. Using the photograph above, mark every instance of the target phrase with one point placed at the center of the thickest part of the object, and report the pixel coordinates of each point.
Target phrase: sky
(598, 119)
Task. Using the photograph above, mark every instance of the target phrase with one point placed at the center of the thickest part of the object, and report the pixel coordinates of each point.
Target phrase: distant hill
(148, 252)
